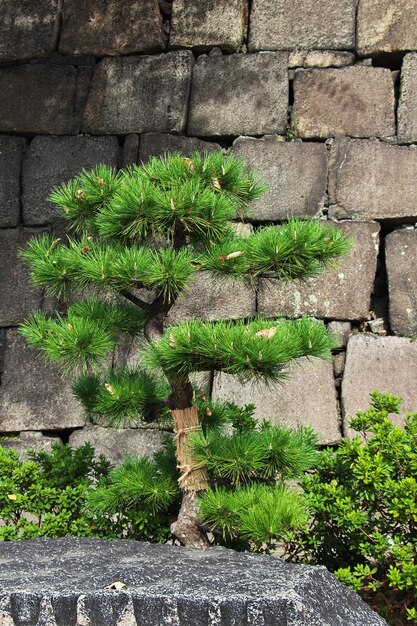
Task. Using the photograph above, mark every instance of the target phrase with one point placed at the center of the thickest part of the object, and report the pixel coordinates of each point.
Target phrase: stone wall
(319, 96)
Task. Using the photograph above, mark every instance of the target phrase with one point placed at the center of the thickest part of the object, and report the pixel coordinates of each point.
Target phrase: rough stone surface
(239, 95)
(308, 24)
(11, 149)
(376, 180)
(32, 395)
(30, 440)
(307, 398)
(356, 101)
(204, 25)
(388, 364)
(130, 151)
(28, 28)
(157, 144)
(116, 444)
(139, 94)
(295, 173)
(211, 298)
(341, 331)
(59, 159)
(407, 105)
(386, 26)
(401, 259)
(111, 27)
(62, 581)
(37, 99)
(320, 58)
(343, 294)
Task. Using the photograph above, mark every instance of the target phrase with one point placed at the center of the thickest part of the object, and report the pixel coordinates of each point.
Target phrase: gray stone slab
(407, 105)
(61, 582)
(37, 99)
(308, 398)
(33, 396)
(239, 95)
(30, 440)
(157, 144)
(341, 331)
(28, 29)
(356, 101)
(343, 293)
(401, 259)
(308, 24)
(387, 364)
(11, 151)
(386, 26)
(51, 161)
(111, 27)
(139, 94)
(320, 58)
(295, 172)
(202, 26)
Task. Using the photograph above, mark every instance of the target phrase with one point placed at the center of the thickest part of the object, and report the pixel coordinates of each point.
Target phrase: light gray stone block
(31, 440)
(320, 58)
(401, 259)
(341, 332)
(386, 26)
(158, 144)
(11, 151)
(407, 105)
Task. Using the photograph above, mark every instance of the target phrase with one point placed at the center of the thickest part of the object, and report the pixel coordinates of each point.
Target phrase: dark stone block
(157, 144)
(11, 150)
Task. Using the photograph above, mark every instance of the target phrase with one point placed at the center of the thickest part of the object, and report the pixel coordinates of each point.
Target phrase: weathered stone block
(139, 94)
(308, 24)
(356, 101)
(407, 105)
(401, 259)
(157, 144)
(386, 26)
(307, 398)
(343, 294)
(37, 99)
(239, 95)
(388, 364)
(28, 28)
(341, 332)
(376, 180)
(59, 159)
(111, 27)
(31, 440)
(295, 173)
(320, 58)
(204, 26)
(130, 152)
(33, 396)
(11, 150)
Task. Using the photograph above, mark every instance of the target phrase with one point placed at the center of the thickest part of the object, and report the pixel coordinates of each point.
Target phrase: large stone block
(111, 27)
(139, 94)
(343, 293)
(295, 172)
(401, 259)
(407, 105)
(205, 25)
(356, 101)
(59, 159)
(30, 440)
(308, 24)
(28, 28)
(33, 396)
(239, 95)
(11, 150)
(386, 26)
(387, 364)
(37, 99)
(157, 144)
(376, 180)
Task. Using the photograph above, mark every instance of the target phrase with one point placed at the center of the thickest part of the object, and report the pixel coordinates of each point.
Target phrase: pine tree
(153, 227)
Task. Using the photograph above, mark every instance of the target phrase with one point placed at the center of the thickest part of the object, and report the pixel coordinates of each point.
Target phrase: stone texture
(198, 587)
(157, 144)
(407, 105)
(33, 396)
(295, 172)
(308, 24)
(239, 95)
(307, 398)
(59, 159)
(386, 26)
(30, 440)
(18, 297)
(375, 180)
(401, 259)
(28, 28)
(388, 364)
(139, 94)
(343, 293)
(116, 444)
(111, 27)
(11, 150)
(356, 101)
(205, 25)
(320, 58)
(130, 152)
(37, 99)
(341, 332)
